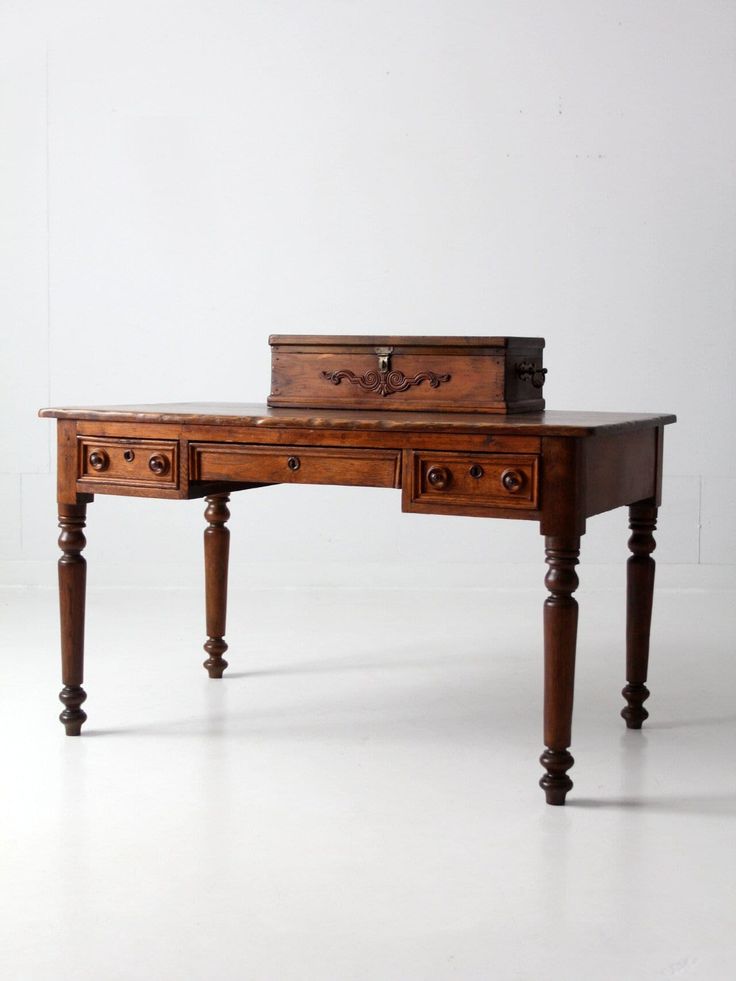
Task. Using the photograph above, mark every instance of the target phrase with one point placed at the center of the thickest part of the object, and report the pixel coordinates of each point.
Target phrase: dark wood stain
(216, 556)
(557, 468)
(549, 423)
(639, 596)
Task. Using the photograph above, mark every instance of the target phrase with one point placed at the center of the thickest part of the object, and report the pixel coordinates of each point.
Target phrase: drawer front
(131, 462)
(472, 480)
(295, 465)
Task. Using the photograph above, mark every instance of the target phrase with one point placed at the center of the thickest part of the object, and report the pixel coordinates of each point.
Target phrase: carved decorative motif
(385, 382)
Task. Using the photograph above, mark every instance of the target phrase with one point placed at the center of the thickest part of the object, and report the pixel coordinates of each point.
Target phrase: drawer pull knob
(293, 463)
(129, 456)
(512, 480)
(476, 470)
(439, 477)
(99, 460)
(158, 464)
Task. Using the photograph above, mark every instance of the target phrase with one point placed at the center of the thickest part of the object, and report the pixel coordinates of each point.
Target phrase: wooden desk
(556, 468)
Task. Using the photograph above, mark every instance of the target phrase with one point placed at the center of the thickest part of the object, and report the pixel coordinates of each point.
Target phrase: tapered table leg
(560, 635)
(639, 593)
(72, 589)
(216, 554)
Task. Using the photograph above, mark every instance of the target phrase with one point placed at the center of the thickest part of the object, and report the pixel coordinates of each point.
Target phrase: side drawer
(440, 480)
(131, 462)
(295, 464)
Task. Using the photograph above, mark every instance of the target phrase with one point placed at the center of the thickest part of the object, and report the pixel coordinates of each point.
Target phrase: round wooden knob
(99, 460)
(293, 463)
(512, 480)
(439, 477)
(158, 464)
(476, 470)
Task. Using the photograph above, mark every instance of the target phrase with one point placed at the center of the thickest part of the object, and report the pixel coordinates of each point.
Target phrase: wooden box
(443, 374)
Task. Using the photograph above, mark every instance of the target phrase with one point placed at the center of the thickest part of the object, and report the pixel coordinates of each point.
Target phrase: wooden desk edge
(621, 465)
(549, 423)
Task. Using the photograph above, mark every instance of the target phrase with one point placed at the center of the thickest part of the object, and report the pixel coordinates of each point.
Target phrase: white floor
(358, 799)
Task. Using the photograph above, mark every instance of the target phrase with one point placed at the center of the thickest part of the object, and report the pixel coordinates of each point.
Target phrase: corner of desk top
(636, 422)
(62, 413)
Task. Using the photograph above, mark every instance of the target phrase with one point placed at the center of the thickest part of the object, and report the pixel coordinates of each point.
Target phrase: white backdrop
(180, 179)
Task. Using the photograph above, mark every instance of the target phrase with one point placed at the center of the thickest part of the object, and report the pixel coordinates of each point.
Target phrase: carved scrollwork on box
(385, 382)
(384, 379)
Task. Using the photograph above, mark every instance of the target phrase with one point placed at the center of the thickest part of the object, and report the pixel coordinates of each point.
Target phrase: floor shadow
(341, 665)
(718, 805)
(121, 731)
(149, 729)
(713, 720)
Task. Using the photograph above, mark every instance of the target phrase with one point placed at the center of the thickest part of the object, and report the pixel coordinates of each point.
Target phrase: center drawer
(295, 464)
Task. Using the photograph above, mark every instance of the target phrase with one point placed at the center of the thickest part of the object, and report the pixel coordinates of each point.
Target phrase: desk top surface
(253, 414)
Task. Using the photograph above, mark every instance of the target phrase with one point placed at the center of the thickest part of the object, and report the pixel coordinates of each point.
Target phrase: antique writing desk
(556, 468)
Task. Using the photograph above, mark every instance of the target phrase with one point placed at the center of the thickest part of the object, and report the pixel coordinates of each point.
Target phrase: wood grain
(548, 423)
(556, 468)
(72, 592)
(267, 436)
(216, 557)
(296, 465)
(128, 461)
(620, 469)
(560, 638)
(445, 374)
(640, 570)
(423, 343)
(462, 488)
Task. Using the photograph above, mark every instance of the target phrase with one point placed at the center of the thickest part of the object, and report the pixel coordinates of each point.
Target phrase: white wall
(180, 179)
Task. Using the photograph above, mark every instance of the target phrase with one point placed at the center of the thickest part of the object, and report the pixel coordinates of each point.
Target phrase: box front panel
(431, 381)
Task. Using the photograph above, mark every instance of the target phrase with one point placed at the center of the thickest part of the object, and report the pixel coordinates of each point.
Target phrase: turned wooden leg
(639, 593)
(72, 587)
(216, 551)
(560, 634)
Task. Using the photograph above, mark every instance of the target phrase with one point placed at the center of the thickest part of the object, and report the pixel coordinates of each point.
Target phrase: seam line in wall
(49, 429)
(700, 517)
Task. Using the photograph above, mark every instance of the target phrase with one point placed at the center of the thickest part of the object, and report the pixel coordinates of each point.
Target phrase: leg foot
(555, 783)
(639, 593)
(72, 590)
(560, 637)
(73, 716)
(634, 713)
(216, 554)
(215, 663)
